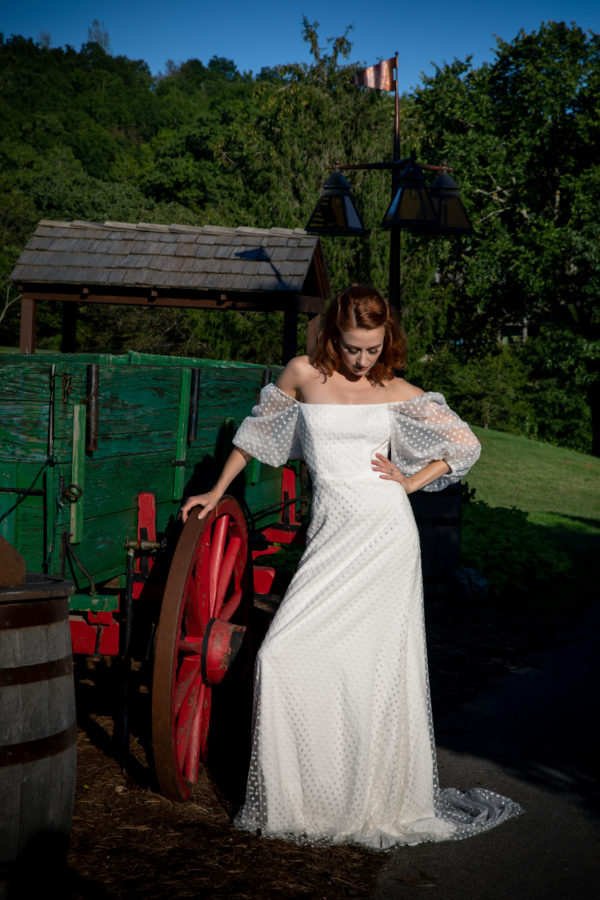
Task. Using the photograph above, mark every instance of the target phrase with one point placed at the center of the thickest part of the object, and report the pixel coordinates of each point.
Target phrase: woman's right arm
(235, 464)
(290, 382)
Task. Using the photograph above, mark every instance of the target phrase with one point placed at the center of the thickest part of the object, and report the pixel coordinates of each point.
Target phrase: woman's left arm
(430, 445)
(389, 472)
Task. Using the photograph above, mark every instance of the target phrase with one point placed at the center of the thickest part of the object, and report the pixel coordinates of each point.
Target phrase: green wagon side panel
(142, 408)
(24, 428)
(102, 548)
(26, 526)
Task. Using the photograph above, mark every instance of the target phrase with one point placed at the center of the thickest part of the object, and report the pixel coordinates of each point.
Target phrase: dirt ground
(128, 841)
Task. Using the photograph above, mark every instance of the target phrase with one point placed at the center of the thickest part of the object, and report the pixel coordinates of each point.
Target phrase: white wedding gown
(343, 747)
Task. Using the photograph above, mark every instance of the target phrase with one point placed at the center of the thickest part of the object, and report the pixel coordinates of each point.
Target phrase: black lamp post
(435, 210)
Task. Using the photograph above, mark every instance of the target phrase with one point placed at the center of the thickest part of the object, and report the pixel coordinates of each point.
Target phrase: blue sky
(268, 32)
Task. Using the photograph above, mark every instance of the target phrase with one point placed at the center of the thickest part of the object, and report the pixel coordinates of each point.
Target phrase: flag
(380, 76)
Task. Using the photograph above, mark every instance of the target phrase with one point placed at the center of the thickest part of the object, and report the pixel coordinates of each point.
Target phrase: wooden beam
(28, 309)
(310, 304)
(72, 295)
(262, 301)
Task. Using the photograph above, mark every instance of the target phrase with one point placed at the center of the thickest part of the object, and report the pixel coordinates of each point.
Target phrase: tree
(522, 131)
(276, 148)
(97, 34)
(90, 136)
(8, 296)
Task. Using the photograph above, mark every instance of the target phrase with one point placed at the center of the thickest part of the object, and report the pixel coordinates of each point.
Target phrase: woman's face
(360, 348)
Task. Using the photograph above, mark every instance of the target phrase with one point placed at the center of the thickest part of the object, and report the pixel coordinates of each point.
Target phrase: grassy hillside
(537, 478)
(534, 525)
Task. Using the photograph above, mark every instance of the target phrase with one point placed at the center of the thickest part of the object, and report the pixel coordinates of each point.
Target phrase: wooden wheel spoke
(184, 722)
(196, 598)
(230, 607)
(217, 552)
(196, 749)
(229, 560)
(188, 673)
(189, 591)
(190, 644)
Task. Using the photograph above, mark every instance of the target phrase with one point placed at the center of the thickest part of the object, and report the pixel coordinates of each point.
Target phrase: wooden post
(312, 331)
(69, 328)
(28, 309)
(290, 331)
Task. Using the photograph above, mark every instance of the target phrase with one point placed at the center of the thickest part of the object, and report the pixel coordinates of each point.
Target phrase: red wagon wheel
(196, 640)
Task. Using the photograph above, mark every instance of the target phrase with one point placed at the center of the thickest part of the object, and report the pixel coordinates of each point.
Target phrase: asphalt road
(533, 737)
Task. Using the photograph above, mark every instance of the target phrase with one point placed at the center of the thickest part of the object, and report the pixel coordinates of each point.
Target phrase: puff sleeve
(270, 432)
(425, 429)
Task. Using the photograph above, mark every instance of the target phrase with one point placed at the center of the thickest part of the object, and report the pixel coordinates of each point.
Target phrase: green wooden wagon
(96, 455)
(98, 451)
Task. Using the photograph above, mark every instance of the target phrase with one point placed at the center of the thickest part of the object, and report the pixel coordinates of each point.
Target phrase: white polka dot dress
(343, 747)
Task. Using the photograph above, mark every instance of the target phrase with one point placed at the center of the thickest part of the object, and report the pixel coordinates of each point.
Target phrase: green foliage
(490, 391)
(561, 366)
(241, 337)
(88, 135)
(522, 131)
(244, 336)
(98, 34)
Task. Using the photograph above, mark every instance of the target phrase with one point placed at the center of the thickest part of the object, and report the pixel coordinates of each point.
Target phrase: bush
(539, 389)
(490, 391)
(559, 380)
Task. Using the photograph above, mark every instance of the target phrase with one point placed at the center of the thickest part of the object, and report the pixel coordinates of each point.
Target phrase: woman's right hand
(206, 501)
(236, 461)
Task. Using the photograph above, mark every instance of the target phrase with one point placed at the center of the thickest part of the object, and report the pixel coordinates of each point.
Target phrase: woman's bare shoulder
(399, 390)
(296, 375)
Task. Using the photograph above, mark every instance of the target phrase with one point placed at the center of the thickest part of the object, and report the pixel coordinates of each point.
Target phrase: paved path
(534, 738)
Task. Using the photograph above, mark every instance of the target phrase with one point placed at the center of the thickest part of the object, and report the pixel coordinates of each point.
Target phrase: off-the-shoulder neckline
(353, 405)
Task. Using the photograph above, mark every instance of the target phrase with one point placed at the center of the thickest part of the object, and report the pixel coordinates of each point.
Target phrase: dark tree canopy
(89, 135)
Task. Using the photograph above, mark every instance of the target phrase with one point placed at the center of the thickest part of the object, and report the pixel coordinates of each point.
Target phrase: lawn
(536, 477)
(534, 502)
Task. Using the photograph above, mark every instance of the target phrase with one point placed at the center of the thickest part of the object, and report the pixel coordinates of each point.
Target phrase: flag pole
(396, 114)
(394, 284)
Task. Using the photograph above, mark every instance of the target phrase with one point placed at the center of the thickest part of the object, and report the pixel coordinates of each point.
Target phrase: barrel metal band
(31, 751)
(44, 612)
(43, 671)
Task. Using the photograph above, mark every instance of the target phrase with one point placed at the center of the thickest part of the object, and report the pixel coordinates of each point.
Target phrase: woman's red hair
(360, 306)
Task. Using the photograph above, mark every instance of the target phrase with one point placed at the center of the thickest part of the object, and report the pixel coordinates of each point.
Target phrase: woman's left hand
(388, 471)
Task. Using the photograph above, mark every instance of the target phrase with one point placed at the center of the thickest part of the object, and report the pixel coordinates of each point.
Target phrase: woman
(343, 746)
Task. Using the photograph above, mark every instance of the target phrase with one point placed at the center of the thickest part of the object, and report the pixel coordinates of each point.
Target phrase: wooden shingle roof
(208, 267)
(122, 256)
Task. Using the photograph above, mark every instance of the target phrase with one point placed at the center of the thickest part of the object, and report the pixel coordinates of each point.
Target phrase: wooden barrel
(37, 730)
(438, 518)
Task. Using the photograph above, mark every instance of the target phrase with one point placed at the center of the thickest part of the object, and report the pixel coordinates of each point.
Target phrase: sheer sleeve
(425, 429)
(270, 432)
